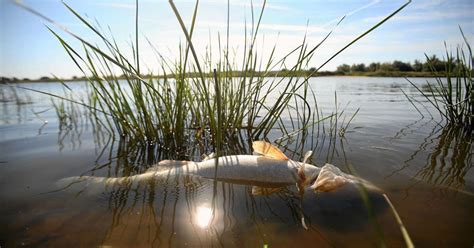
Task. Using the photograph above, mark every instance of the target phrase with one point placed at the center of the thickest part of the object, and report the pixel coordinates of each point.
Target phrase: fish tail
(106, 181)
(161, 169)
(78, 180)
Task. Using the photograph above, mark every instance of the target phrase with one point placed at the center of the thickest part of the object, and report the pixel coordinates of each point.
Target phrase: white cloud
(247, 4)
(263, 26)
(352, 12)
(426, 16)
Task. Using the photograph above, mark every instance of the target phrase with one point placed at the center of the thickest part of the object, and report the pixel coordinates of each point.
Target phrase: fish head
(329, 179)
(307, 173)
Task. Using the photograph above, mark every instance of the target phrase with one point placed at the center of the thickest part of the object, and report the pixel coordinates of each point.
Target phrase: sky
(29, 50)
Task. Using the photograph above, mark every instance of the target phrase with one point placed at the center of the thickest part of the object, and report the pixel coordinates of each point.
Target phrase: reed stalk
(452, 96)
(196, 100)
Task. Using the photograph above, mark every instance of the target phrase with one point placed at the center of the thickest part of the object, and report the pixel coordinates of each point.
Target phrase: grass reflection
(177, 211)
(447, 154)
(450, 158)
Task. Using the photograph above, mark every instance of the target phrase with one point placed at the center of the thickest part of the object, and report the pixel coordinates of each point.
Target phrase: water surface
(423, 167)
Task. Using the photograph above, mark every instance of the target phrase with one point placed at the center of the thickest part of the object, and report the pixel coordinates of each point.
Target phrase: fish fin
(256, 190)
(307, 155)
(268, 150)
(301, 173)
(301, 181)
(303, 223)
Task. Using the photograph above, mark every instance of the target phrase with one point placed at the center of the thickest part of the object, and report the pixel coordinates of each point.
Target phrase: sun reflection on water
(203, 216)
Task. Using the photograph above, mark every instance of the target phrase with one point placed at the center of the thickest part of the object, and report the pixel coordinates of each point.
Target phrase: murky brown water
(424, 169)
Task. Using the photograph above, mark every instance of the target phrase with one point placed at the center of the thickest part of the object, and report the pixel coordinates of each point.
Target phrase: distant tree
(401, 66)
(451, 64)
(4, 80)
(44, 78)
(358, 68)
(344, 68)
(386, 67)
(312, 69)
(458, 65)
(74, 77)
(433, 63)
(373, 67)
(14, 79)
(26, 79)
(417, 65)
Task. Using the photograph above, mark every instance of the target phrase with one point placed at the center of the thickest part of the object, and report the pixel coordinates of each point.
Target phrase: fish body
(270, 169)
(250, 168)
(244, 169)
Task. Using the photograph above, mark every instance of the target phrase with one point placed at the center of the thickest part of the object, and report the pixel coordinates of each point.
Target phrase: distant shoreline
(257, 74)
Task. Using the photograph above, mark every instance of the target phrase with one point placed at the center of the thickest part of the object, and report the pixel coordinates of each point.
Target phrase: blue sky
(28, 49)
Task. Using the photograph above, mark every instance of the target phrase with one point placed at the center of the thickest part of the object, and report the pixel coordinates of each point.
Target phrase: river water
(423, 168)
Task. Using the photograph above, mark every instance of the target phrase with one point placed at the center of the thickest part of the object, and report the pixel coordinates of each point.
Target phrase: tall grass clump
(453, 95)
(195, 100)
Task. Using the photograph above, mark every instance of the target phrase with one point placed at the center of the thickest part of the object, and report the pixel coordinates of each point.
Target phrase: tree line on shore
(432, 63)
(433, 66)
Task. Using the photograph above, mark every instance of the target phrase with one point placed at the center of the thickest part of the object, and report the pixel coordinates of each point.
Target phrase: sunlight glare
(203, 216)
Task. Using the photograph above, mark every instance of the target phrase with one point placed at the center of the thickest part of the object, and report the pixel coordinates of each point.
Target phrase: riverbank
(4, 80)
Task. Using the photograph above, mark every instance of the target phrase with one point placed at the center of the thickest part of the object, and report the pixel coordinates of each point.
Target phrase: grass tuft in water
(453, 96)
(196, 100)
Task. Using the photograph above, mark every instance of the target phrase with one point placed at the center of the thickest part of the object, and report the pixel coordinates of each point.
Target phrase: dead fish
(331, 178)
(267, 171)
